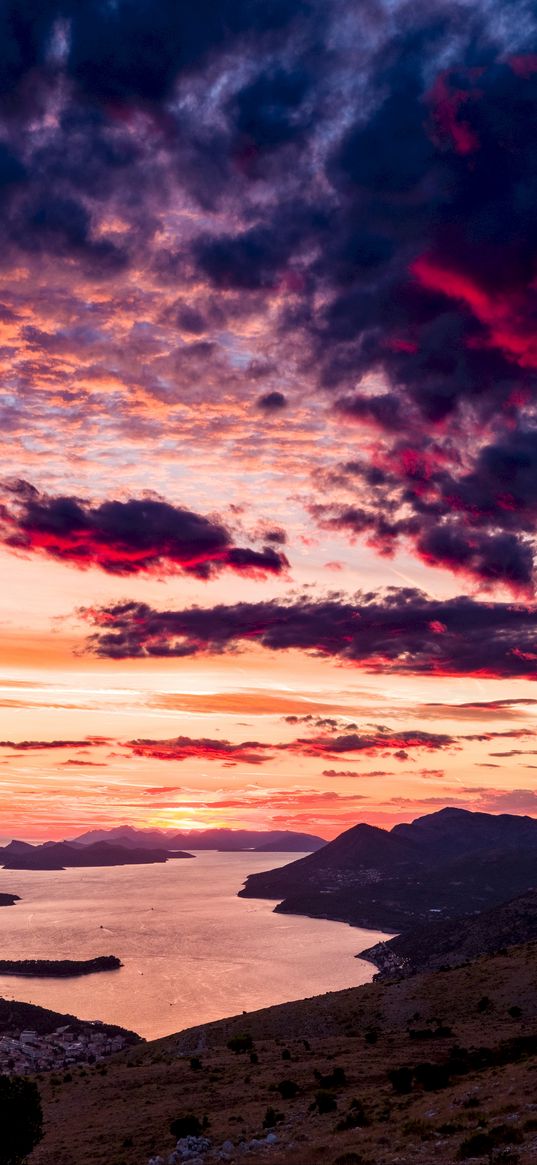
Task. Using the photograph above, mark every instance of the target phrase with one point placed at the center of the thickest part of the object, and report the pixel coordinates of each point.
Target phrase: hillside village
(30, 1052)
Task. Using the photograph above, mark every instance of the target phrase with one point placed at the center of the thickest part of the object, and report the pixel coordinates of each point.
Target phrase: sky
(268, 487)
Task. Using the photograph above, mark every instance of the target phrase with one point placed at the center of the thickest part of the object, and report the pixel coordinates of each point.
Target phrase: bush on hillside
(287, 1089)
(21, 1119)
(187, 1125)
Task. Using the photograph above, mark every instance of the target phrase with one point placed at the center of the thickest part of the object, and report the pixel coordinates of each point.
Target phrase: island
(59, 968)
(64, 855)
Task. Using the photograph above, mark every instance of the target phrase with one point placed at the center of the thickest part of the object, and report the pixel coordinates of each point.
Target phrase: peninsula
(444, 865)
(9, 899)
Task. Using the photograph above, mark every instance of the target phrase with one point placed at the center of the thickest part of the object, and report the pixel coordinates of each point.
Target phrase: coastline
(9, 899)
(161, 920)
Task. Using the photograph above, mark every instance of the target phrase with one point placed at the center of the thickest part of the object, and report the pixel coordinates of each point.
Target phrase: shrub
(243, 1043)
(481, 1144)
(195, 1063)
(325, 1101)
(371, 1036)
(354, 1119)
(478, 1145)
(254, 1058)
(187, 1125)
(287, 1089)
(21, 1119)
(401, 1079)
(286, 1055)
(335, 1079)
(272, 1117)
(485, 1004)
(432, 1077)
(438, 1033)
(514, 1012)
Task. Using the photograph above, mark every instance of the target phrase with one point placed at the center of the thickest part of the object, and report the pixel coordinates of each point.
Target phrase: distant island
(63, 855)
(126, 845)
(59, 968)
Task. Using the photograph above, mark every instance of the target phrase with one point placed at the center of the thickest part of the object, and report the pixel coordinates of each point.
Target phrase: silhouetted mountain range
(445, 864)
(218, 839)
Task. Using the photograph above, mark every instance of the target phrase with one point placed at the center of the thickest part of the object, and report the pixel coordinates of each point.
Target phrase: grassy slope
(119, 1115)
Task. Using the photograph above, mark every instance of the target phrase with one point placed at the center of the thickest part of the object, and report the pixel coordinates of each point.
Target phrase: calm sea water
(192, 951)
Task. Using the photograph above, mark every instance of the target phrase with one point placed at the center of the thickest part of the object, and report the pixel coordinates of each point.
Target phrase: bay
(192, 950)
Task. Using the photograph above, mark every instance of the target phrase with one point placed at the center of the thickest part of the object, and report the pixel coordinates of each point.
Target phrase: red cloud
(142, 535)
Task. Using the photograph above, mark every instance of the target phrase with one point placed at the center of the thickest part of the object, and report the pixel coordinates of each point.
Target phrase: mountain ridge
(446, 863)
(219, 839)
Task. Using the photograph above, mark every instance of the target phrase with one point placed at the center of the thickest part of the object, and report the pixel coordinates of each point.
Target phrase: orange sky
(268, 436)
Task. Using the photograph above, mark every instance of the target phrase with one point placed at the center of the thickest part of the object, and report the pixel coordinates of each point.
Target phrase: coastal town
(29, 1052)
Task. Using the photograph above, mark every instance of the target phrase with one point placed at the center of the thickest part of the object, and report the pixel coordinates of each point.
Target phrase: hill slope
(338, 1052)
(452, 943)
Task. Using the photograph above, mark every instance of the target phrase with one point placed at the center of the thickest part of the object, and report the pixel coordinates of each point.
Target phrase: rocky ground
(467, 1039)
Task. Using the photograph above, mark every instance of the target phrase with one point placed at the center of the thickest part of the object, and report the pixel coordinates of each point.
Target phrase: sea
(192, 951)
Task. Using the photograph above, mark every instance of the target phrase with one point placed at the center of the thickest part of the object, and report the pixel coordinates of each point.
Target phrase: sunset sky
(268, 498)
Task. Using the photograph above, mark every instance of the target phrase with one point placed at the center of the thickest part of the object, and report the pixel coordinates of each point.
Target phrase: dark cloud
(507, 709)
(425, 773)
(379, 740)
(369, 742)
(374, 174)
(37, 745)
(142, 535)
(272, 402)
(400, 631)
(186, 748)
(91, 764)
(516, 752)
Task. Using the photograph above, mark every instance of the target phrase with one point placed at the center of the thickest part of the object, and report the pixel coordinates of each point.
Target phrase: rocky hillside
(438, 1067)
(450, 944)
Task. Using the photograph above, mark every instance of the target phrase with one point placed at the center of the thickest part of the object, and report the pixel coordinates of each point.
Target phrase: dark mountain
(451, 943)
(242, 839)
(290, 842)
(450, 863)
(217, 839)
(17, 847)
(358, 856)
(126, 835)
(453, 832)
(61, 855)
